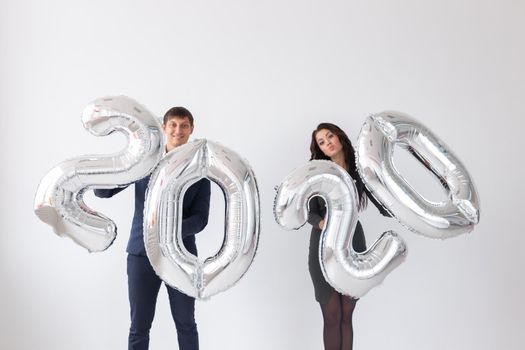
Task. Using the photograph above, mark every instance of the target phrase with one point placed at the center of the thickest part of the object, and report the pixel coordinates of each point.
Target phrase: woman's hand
(321, 224)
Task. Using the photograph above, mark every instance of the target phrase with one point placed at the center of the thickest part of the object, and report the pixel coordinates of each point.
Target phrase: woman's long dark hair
(348, 150)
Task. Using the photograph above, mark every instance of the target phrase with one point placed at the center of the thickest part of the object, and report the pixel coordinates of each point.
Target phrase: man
(143, 283)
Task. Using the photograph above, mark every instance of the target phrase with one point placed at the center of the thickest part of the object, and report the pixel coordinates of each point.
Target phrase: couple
(328, 142)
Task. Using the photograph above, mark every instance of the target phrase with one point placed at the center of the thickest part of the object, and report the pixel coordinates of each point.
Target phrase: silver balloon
(379, 134)
(177, 171)
(59, 197)
(349, 272)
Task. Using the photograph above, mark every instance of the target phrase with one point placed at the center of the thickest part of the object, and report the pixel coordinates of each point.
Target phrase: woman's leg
(332, 322)
(347, 330)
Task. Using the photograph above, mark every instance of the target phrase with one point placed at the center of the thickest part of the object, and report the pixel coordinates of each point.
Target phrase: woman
(331, 143)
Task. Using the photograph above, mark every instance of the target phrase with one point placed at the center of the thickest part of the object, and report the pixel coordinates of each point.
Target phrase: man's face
(178, 131)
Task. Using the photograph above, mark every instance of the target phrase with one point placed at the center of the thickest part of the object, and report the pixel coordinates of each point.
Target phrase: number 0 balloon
(178, 170)
(379, 134)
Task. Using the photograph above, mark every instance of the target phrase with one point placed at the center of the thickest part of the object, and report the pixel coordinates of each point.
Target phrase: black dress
(317, 212)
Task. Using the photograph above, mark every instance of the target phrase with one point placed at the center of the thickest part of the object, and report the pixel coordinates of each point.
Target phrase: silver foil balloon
(349, 272)
(59, 197)
(177, 171)
(378, 136)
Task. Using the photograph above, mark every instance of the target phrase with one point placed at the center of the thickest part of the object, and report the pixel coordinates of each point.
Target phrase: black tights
(338, 333)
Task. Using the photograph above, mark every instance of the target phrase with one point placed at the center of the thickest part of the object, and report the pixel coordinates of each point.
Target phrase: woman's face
(328, 142)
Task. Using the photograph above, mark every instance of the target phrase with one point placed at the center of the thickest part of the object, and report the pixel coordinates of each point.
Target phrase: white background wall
(259, 76)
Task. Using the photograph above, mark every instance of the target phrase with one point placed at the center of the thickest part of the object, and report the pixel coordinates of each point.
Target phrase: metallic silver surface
(177, 171)
(378, 136)
(59, 197)
(349, 272)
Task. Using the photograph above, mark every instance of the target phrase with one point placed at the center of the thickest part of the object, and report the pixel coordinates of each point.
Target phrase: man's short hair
(178, 112)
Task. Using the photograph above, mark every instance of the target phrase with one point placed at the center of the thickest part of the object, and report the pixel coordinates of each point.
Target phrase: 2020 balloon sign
(58, 200)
